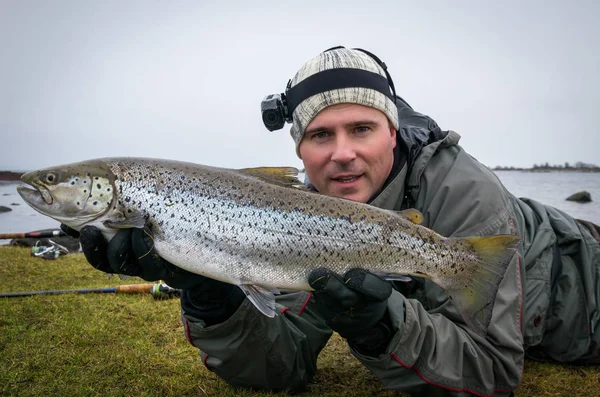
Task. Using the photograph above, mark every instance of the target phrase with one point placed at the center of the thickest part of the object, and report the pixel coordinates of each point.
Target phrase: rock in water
(4, 209)
(580, 197)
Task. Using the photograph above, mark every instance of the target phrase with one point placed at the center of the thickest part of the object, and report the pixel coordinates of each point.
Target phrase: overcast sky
(518, 80)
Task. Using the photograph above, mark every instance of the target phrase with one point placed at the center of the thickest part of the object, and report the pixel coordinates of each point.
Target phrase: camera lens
(272, 119)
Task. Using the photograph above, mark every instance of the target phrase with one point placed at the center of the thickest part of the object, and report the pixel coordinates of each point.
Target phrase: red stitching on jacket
(188, 335)
(285, 309)
(442, 386)
(305, 304)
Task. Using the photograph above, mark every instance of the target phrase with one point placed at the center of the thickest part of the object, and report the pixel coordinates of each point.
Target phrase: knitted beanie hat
(339, 58)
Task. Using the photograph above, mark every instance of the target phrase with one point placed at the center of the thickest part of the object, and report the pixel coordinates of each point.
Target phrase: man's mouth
(346, 178)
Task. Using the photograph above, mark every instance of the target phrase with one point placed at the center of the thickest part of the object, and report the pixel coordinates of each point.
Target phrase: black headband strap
(332, 79)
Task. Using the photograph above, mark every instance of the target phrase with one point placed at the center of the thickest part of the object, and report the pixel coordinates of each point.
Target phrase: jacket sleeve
(433, 351)
(283, 349)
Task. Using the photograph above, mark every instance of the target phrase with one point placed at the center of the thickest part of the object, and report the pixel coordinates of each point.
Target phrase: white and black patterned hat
(354, 81)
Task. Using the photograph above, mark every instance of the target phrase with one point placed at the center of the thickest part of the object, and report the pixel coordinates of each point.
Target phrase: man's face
(347, 151)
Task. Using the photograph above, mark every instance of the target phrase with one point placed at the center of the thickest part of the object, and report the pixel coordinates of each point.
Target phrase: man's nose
(343, 151)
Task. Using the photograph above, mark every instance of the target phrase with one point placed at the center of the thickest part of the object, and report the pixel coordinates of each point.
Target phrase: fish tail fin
(476, 300)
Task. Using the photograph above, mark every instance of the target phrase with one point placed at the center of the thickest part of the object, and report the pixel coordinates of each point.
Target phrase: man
(361, 142)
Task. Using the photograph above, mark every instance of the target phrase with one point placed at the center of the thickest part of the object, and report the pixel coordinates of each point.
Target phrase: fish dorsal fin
(412, 215)
(281, 176)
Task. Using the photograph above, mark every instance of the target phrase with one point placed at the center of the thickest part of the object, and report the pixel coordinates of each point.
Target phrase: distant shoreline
(596, 169)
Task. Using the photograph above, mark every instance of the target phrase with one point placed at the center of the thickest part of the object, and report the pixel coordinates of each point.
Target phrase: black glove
(131, 252)
(355, 306)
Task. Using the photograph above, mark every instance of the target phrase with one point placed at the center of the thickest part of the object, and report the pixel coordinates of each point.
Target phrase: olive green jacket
(432, 351)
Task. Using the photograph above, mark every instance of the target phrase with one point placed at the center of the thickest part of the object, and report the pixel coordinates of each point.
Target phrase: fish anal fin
(262, 298)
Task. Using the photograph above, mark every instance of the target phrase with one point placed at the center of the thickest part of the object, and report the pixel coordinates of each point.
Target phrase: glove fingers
(152, 266)
(120, 254)
(94, 246)
(332, 292)
(318, 278)
(351, 305)
(372, 287)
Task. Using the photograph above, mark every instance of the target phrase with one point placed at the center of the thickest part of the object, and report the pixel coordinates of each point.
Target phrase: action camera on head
(274, 111)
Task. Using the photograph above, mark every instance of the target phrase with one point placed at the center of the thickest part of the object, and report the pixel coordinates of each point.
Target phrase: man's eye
(320, 135)
(362, 128)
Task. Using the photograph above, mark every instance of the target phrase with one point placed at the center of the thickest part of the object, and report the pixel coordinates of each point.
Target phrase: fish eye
(51, 177)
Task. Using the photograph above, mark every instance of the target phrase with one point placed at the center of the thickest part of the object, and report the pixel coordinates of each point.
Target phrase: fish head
(73, 194)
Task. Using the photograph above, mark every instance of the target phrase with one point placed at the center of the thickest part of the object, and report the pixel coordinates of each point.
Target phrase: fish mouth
(33, 195)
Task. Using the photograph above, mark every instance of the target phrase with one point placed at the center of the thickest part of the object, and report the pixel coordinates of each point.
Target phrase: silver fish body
(243, 227)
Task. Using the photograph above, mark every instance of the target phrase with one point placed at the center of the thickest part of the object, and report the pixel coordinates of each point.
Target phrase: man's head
(345, 136)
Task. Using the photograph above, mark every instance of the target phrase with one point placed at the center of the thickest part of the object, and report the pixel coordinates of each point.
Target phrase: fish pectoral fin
(122, 222)
(281, 176)
(413, 215)
(262, 298)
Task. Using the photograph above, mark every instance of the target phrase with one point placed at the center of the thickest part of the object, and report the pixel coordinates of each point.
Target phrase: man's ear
(392, 133)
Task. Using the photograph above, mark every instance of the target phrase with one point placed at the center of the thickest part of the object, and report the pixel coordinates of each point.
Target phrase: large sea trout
(257, 229)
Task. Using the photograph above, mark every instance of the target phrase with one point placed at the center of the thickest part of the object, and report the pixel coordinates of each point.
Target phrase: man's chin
(359, 196)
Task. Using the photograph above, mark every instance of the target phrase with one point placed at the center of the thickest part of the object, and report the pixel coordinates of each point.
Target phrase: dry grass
(124, 345)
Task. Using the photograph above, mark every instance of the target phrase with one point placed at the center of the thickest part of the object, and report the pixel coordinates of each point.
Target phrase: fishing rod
(157, 291)
(40, 234)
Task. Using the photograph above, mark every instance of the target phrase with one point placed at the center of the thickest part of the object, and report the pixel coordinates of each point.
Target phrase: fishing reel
(163, 291)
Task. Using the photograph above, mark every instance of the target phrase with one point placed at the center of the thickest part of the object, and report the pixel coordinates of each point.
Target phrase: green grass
(133, 345)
